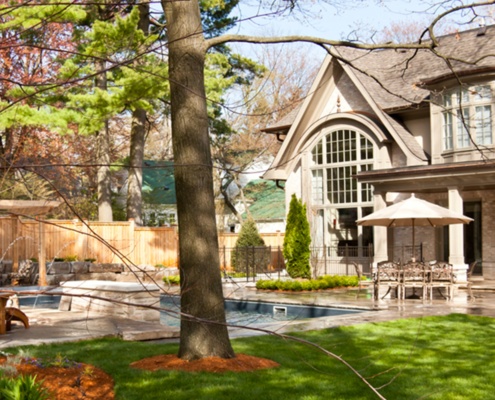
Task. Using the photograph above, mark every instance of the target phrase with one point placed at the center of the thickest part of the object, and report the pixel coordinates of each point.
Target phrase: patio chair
(441, 275)
(14, 314)
(414, 276)
(388, 275)
(469, 284)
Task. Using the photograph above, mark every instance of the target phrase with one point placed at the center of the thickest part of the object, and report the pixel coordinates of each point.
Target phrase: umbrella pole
(413, 244)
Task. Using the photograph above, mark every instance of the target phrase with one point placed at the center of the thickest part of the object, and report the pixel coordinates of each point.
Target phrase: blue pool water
(242, 312)
(37, 300)
(238, 312)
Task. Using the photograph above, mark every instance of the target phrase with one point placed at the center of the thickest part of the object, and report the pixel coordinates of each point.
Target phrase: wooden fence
(103, 241)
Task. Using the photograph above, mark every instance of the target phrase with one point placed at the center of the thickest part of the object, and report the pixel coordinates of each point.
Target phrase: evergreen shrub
(324, 282)
(297, 240)
(250, 250)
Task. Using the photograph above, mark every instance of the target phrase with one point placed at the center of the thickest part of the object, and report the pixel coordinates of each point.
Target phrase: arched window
(337, 198)
(336, 159)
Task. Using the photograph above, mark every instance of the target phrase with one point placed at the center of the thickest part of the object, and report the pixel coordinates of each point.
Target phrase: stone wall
(58, 272)
(122, 299)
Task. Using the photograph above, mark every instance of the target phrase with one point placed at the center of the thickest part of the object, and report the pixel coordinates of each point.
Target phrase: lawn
(424, 358)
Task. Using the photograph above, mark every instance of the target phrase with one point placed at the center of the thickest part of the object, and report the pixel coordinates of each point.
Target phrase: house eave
(432, 81)
(432, 178)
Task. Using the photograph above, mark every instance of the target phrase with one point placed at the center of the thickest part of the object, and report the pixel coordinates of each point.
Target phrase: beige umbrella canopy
(413, 212)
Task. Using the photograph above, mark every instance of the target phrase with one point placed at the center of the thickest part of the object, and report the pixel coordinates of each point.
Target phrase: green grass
(445, 358)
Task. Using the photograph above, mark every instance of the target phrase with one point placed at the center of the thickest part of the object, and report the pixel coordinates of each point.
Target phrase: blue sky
(332, 22)
(362, 16)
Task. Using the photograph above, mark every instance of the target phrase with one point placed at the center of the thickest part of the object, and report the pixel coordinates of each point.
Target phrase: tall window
(336, 158)
(467, 117)
(338, 199)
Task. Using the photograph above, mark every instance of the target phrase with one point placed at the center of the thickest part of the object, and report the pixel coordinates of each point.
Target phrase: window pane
(463, 128)
(329, 144)
(483, 125)
(317, 186)
(482, 94)
(447, 131)
(447, 100)
(318, 153)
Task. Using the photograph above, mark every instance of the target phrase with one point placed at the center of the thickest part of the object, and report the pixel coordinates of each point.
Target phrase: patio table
(416, 275)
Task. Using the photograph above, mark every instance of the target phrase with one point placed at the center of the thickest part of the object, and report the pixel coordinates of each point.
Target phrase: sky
(334, 22)
(361, 16)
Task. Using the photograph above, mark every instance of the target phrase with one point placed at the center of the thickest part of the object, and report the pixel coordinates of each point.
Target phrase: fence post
(245, 250)
(15, 248)
(370, 259)
(254, 262)
(41, 254)
(224, 261)
(346, 257)
(325, 258)
(131, 255)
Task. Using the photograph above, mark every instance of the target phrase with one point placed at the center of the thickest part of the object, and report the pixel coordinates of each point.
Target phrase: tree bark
(103, 154)
(135, 179)
(138, 134)
(201, 287)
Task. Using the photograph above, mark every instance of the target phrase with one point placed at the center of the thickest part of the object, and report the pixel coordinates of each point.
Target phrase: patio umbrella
(413, 212)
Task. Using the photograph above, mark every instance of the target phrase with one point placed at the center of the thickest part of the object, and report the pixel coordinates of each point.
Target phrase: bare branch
(312, 39)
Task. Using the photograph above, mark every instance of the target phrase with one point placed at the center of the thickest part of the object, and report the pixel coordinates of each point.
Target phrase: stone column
(380, 232)
(456, 237)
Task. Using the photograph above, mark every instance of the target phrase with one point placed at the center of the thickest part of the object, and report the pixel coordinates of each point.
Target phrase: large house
(378, 126)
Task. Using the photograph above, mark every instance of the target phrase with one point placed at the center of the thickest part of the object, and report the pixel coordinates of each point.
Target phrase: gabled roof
(397, 78)
(159, 182)
(268, 200)
(393, 80)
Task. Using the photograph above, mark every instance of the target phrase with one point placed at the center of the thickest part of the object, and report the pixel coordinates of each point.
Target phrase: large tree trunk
(135, 180)
(103, 176)
(201, 286)
(103, 157)
(138, 134)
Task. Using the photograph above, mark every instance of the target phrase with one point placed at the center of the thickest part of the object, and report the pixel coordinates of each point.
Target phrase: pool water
(238, 312)
(37, 300)
(242, 312)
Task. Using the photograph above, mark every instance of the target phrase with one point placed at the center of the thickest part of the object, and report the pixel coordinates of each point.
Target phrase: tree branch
(313, 39)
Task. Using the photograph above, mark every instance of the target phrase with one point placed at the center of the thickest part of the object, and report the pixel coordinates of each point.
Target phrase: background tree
(272, 95)
(137, 141)
(247, 252)
(297, 240)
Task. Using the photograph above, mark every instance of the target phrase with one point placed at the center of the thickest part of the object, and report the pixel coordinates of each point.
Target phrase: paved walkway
(48, 325)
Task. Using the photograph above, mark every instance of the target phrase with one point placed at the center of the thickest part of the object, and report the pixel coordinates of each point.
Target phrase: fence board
(106, 242)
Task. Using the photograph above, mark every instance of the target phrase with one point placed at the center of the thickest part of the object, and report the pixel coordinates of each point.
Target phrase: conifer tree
(245, 252)
(297, 240)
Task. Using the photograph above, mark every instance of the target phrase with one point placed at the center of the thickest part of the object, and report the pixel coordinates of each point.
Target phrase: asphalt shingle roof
(396, 78)
(400, 75)
(159, 182)
(268, 201)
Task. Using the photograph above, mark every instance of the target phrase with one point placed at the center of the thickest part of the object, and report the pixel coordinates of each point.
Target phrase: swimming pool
(37, 300)
(238, 312)
(247, 312)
